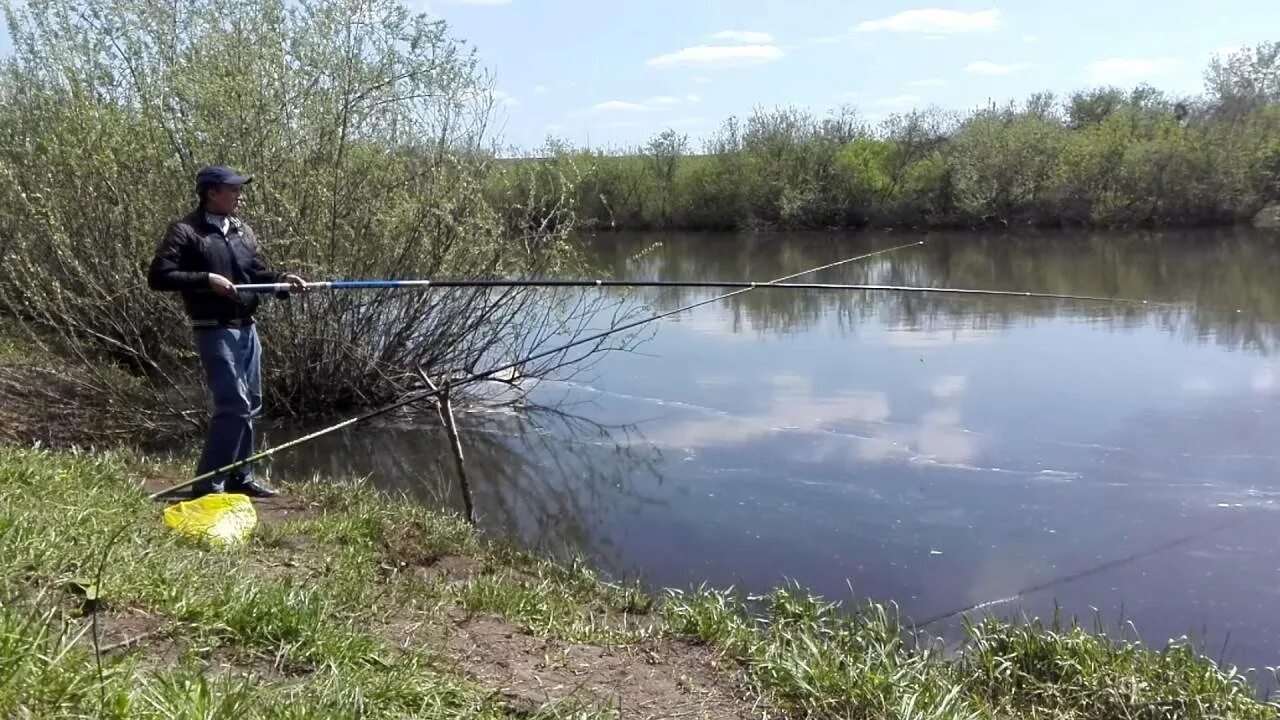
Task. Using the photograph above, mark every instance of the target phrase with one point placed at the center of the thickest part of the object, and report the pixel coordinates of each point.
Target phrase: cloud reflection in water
(848, 425)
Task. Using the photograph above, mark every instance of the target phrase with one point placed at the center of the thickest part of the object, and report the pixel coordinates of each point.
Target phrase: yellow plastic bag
(221, 519)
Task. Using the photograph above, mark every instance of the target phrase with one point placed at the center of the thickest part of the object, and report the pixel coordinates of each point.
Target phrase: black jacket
(191, 249)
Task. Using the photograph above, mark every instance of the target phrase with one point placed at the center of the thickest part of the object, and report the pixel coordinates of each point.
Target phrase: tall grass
(296, 647)
(818, 660)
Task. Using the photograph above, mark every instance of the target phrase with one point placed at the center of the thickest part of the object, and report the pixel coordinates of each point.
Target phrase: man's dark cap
(211, 175)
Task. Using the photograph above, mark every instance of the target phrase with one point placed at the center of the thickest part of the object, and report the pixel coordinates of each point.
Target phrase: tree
(1245, 80)
(664, 152)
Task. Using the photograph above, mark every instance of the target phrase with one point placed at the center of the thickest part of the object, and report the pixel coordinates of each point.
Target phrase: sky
(613, 73)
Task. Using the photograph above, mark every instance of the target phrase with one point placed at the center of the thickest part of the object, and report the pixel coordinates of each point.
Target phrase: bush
(365, 126)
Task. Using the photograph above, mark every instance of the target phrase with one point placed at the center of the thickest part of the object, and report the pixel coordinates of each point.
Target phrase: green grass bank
(349, 603)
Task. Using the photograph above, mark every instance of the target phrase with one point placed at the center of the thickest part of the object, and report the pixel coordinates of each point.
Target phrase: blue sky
(617, 72)
(614, 73)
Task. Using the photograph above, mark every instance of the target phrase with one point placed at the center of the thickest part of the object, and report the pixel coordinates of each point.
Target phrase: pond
(938, 452)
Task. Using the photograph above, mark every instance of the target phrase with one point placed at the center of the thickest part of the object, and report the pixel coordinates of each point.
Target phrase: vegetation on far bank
(1106, 156)
(348, 603)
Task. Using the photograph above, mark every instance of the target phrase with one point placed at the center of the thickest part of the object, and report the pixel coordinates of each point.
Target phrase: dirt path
(655, 679)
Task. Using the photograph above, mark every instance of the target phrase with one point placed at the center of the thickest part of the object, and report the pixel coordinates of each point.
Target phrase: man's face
(224, 199)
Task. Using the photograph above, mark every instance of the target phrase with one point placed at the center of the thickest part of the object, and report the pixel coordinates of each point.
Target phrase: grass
(335, 613)
(306, 645)
(816, 661)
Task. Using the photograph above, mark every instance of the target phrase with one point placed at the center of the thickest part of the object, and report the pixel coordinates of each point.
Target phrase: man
(203, 256)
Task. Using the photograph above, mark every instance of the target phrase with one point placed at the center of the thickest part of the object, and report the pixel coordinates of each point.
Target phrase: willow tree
(366, 128)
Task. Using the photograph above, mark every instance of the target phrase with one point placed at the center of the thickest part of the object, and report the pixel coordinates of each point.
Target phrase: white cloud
(1264, 381)
(619, 106)
(849, 95)
(949, 386)
(1029, 39)
(504, 98)
(906, 337)
(1123, 71)
(791, 410)
(743, 36)
(824, 40)
(479, 2)
(933, 21)
(702, 80)
(658, 102)
(555, 127)
(687, 122)
(898, 101)
(718, 56)
(621, 124)
(1199, 385)
(927, 82)
(986, 67)
(540, 89)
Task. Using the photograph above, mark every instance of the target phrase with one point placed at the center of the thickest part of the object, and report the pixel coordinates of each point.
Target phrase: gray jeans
(231, 358)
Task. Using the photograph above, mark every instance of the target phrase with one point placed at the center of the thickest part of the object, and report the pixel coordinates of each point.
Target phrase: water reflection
(1218, 271)
(546, 476)
(792, 406)
(932, 451)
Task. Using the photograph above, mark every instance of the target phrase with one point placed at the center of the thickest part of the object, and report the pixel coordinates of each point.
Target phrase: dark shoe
(207, 487)
(253, 489)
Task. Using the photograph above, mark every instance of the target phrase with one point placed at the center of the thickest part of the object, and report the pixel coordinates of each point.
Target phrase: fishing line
(415, 397)
(97, 587)
(1092, 570)
(741, 287)
(450, 384)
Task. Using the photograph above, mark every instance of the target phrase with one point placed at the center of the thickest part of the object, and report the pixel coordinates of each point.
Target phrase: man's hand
(299, 285)
(221, 286)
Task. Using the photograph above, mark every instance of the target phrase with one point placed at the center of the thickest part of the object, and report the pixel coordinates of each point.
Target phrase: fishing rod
(450, 384)
(433, 392)
(746, 284)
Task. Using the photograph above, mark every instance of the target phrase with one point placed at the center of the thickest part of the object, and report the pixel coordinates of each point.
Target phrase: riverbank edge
(756, 226)
(349, 602)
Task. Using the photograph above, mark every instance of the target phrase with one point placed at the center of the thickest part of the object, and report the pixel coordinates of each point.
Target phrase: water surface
(933, 451)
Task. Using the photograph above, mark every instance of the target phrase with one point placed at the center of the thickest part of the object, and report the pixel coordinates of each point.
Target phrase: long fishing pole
(415, 397)
(747, 284)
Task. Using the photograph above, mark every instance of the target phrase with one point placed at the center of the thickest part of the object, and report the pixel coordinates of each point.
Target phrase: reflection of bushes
(1101, 157)
(1219, 271)
(547, 477)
